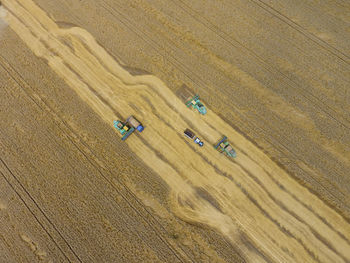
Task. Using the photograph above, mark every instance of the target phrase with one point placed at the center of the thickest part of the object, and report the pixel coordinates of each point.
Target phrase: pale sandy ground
(275, 82)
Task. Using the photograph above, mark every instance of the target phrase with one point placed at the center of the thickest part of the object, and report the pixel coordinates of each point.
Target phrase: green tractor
(195, 103)
(224, 147)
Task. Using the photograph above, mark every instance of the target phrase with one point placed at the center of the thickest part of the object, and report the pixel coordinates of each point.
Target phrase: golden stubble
(255, 196)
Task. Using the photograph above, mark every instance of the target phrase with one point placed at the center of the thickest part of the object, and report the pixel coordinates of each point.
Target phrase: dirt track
(71, 191)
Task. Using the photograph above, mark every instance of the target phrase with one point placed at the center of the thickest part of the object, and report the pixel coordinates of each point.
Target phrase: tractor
(195, 103)
(224, 147)
(128, 127)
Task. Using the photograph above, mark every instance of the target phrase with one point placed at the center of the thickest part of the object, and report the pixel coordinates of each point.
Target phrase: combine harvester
(128, 127)
(191, 101)
(224, 147)
(195, 103)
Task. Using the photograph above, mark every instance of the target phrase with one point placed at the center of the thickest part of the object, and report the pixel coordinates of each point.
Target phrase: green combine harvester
(128, 127)
(224, 147)
(195, 103)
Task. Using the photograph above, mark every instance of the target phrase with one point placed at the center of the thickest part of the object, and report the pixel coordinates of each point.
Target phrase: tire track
(230, 41)
(95, 162)
(179, 65)
(251, 175)
(33, 214)
(336, 52)
(82, 60)
(5, 67)
(131, 28)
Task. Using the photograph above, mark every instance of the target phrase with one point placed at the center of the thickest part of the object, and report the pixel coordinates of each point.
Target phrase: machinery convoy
(131, 124)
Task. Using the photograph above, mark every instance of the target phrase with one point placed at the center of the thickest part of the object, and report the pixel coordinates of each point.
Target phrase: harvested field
(275, 79)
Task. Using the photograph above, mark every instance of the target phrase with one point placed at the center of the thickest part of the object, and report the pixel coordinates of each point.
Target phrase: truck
(189, 134)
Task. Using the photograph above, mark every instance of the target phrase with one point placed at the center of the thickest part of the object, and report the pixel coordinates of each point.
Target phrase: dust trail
(253, 197)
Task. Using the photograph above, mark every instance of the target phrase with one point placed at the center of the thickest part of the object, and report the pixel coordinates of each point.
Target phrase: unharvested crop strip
(137, 139)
